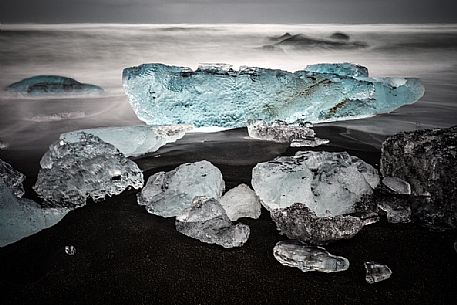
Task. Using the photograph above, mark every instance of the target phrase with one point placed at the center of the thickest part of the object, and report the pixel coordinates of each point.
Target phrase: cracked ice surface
(329, 184)
(298, 133)
(217, 95)
(168, 194)
(134, 140)
(343, 69)
(241, 201)
(295, 254)
(11, 178)
(207, 221)
(72, 171)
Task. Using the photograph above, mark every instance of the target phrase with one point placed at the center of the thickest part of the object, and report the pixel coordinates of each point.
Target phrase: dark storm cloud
(223, 11)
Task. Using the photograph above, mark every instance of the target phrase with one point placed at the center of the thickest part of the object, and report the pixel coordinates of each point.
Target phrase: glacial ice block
(51, 84)
(295, 254)
(20, 217)
(72, 171)
(207, 221)
(12, 178)
(134, 140)
(217, 95)
(168, 194)
(329, 184)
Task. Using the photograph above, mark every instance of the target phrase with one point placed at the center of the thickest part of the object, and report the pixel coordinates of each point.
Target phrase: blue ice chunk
(52, 84)
(218, 95)
(342, 69)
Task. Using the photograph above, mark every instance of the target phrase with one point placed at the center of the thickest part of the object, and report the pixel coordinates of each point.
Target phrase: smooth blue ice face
(343, 69)
(217, 95)
(51, 84)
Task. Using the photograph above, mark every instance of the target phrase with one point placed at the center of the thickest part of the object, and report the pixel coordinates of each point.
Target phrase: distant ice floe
(43, 85)
(58, 116)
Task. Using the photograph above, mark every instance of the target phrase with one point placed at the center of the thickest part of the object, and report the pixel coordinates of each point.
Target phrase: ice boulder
(72, 171)
(241, 201)
(298, 222)
(207, 221)
(168, 194)
(11, 178)
(296, 254)
(52, 84)
(297, 134)
(218, 95)
(329, 184)
(133, 140)
(427, 160)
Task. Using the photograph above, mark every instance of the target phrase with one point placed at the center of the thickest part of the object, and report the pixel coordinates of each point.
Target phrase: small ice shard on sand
(52, 84)
(72, 171)
(329, 184)
(298, 133)
(70, 250)
(207, 221)
(11, 178)
(376, 272)
(168, 194)
(298, 222)
(455, 246)
(342, 69)
(427, 160)
(306, 258)
(397, 185)
(241, 201)
(220, 96)
(134, 140)
(20, 217)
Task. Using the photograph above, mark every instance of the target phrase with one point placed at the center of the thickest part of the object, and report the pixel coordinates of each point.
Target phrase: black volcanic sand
(126, 256)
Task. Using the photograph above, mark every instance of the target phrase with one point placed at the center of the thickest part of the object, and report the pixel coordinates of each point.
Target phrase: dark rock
(426, 159)
(340, 36)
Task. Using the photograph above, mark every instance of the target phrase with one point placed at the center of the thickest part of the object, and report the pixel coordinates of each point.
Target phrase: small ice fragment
(70, 250)
(397, 185)
(12, 178)
(241, 201)
(376, 272)
(296, 254)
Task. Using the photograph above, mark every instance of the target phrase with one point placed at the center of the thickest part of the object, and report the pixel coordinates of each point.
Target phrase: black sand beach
(126, 256)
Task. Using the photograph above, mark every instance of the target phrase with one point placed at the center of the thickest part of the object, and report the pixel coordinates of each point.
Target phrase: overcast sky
(224, 11)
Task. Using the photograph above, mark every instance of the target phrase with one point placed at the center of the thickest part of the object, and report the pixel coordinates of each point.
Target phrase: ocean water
(97, 54)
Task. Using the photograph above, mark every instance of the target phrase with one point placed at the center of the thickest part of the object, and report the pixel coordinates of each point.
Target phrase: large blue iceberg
(52, 84)
(217, 95)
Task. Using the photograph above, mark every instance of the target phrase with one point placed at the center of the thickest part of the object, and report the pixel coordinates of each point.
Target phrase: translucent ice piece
(306, 258)
(20, 217)
(11, 178)
(88, 167)
(207, 221)
(168, 194)
(329, 184)
(241, 201)
(134, 140)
